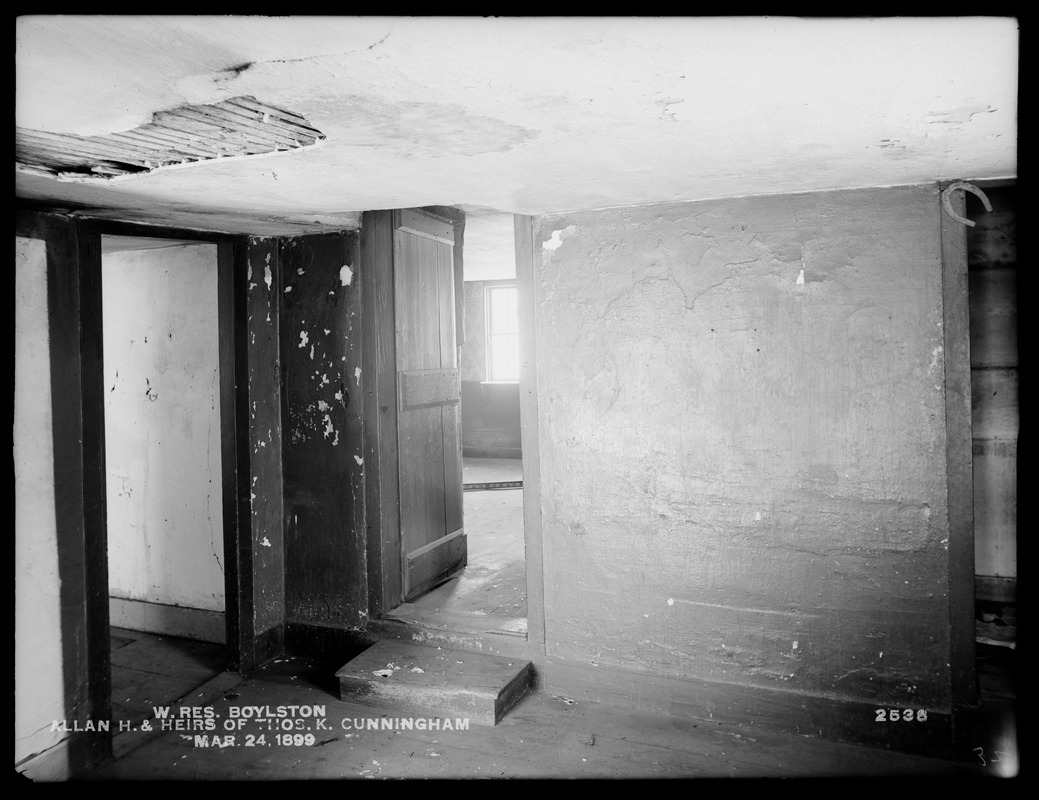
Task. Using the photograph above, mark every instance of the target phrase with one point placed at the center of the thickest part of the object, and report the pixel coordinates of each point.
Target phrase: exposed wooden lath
(240, 126)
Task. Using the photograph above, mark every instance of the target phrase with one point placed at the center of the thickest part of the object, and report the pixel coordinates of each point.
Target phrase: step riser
(480, 709)
(415, 679)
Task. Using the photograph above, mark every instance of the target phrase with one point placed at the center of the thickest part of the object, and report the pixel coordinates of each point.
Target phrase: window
(502, 333)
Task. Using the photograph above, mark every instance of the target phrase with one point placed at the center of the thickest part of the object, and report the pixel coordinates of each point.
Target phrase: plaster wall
(741, 429)
(473, 354)
(162, 426)
(39, 690)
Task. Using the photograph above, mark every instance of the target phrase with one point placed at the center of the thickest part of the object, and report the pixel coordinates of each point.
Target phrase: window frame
(489, 333)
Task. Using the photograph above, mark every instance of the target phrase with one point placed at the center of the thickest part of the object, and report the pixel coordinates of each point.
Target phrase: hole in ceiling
(241, 126)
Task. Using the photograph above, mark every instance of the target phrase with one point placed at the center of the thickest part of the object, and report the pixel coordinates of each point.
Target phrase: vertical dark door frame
(231, 301)
(959, 459)
(381, 482)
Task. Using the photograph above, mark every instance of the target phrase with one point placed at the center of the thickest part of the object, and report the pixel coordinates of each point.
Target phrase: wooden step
(452, 683)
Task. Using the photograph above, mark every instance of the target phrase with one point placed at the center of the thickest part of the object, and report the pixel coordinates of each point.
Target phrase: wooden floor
(490, 595)
(543, 737)
(149, 670)
(482, 471)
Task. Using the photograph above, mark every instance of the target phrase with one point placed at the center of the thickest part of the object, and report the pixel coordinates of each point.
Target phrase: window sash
(502, 333)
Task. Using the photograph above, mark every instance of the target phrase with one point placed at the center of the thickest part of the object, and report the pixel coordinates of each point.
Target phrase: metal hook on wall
(967, 187)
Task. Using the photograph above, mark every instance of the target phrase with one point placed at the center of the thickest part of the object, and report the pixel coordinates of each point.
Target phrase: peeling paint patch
(359, 460)
(267, 277)
(958, 115)
(556, 240)
(303, 339)
(357, 375)
(346, 275)
(266, 542)
(322, 405)
(935, 354)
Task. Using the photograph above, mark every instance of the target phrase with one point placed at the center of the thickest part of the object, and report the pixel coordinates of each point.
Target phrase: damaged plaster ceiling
(238, 127)
(515, 115)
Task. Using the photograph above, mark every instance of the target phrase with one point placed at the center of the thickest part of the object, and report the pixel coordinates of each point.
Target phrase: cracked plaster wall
(162, 426)
(742, 441)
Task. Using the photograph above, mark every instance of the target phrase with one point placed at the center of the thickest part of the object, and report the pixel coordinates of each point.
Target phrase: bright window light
(502, 333)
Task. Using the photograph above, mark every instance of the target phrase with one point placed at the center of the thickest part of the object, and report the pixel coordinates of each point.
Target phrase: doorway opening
(489, 594)
(163, 470)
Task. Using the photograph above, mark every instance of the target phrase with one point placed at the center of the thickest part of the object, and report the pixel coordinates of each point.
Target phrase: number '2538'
(900, 715)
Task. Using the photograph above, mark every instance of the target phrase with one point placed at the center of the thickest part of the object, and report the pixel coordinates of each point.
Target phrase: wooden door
(429, 456)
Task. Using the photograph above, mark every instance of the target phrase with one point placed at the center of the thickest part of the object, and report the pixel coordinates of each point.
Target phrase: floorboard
(544, 736)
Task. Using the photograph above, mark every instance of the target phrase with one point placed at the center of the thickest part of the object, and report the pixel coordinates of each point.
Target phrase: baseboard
(836, 719)
(469, 451)
(189, 623)
(455, 637)
(325, 642)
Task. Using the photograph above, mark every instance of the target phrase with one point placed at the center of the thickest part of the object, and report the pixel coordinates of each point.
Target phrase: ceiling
(520, 115)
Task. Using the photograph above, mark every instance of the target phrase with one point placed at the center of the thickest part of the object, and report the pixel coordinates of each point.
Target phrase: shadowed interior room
(450, 397)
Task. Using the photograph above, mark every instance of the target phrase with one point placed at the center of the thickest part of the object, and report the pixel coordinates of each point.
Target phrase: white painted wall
(162, 426)
(39, 689)
(489, 252)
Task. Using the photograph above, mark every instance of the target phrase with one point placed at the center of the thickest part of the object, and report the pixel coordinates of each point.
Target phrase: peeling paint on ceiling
(523, 115)
(239, 127)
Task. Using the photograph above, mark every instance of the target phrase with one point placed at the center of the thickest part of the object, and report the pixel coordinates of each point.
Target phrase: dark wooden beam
(103, 227)
(263, 438)
(95, 505)
(323, 448)
(235, 456)
(959, 470)
(382, 491)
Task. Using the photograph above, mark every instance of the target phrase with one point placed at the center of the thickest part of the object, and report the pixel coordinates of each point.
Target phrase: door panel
(429, 463)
